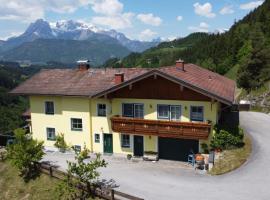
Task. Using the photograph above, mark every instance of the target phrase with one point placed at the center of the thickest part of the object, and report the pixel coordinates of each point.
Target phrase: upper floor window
(101, 110)
(170, 112)
(76, 124)
(196, 113)
(49, 107)
(135, 110)
(125, 141)
(50, 133)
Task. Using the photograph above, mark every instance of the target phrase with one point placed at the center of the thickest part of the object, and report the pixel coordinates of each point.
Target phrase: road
(164, 181)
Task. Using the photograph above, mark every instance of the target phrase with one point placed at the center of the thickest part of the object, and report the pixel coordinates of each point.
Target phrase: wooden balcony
(162, 128)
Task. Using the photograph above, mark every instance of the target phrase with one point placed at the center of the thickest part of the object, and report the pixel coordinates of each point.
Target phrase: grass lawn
(232, 159)
(12, 185)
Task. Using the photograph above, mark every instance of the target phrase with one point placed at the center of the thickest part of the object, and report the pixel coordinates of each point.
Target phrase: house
(170, 110)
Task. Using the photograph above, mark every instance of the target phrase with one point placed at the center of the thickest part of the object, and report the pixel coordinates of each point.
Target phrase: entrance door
(108, 143)
(138, 145)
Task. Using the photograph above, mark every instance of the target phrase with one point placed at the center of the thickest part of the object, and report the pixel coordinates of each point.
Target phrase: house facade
(169, 110)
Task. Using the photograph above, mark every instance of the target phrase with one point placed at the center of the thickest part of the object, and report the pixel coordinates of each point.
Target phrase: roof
(96, 82)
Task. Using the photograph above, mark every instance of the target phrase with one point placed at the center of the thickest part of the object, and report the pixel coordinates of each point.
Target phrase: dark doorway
(176, 149)
(108, 143)
(138, 145)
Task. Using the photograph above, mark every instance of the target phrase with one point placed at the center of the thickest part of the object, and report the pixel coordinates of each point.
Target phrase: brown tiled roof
(72, 82)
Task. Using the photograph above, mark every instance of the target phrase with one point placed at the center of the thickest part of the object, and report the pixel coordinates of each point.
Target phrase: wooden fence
(102, 192)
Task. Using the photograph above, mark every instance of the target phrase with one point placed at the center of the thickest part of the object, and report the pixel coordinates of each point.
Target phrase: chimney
(83, 65)
(180, 64)
(118, 78)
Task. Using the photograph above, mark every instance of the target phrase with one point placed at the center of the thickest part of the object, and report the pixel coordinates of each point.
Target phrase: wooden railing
(162, 128)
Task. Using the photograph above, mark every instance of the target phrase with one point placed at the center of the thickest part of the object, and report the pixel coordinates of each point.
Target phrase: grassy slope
(13, 187)
(232, 159)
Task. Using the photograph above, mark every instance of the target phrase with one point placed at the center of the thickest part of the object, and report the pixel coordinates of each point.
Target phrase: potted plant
(129, 156)
(84, 153)
(60, 143)
(150, 156)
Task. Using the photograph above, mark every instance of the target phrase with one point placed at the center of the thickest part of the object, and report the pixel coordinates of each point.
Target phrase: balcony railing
(162, 128)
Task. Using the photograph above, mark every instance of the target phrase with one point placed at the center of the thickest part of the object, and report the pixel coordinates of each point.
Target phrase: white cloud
(30, 10)
(251, 5)
(179, 18)
(204, 10)
(226, 10)
(147, 34)
(149, 19)
(203, 27)
(110, 14)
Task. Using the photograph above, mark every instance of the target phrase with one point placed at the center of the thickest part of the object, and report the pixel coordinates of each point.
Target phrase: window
(76, 124)
(50, 134)
(125, 141)
(135, 110)
(97, 138)
(196, 113)
(101, 110)
(171, 112)
(163, 111)
(127, 110)
(49, 107)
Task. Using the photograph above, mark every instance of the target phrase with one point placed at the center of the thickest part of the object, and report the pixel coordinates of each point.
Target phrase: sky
(137, 19)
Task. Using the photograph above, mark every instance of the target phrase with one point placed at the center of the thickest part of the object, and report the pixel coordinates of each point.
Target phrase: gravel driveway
(172, 181)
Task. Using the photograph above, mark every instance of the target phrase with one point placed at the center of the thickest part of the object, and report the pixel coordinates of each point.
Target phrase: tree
(60, 143)
(25, 153)
(83, 174)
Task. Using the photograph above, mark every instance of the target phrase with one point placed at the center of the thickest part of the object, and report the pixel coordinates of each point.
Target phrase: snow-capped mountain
(74, 30)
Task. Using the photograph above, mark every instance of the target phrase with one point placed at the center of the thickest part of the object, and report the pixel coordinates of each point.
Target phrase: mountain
(67, 51)
(72, 30)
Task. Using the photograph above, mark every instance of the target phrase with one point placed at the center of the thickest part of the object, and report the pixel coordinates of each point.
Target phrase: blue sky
(138, 19)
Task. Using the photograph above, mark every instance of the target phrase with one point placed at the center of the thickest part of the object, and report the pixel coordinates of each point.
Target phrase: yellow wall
(67, 107)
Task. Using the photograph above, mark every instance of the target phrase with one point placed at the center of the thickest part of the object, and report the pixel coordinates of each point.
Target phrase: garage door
(176, 149)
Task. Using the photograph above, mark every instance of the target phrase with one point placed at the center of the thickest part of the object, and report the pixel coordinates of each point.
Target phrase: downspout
(91, 129)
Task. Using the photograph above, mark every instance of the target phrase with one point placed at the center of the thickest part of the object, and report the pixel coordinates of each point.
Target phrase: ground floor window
(97, 138)
(125, 141)
(50, 134)
(196, 113)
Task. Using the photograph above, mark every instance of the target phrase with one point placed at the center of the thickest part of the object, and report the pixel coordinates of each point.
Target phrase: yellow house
(169, 110)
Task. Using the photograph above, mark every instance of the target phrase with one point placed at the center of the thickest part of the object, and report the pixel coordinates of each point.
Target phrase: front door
(138, 145)
(108, 143)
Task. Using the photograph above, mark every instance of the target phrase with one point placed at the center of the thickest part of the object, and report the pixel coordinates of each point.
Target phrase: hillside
(67, 51)
(242, 52)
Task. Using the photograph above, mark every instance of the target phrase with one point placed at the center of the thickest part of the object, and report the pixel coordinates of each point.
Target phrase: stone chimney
(118, 78)
(83, 65)
(180, 64)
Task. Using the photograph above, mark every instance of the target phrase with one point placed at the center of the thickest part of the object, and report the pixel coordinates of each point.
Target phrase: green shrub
(224, 139)
(60, 142)
(84, 153)
(204, 147)
(24, 154)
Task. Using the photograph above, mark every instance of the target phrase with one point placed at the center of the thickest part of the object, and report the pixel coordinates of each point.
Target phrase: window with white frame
(49, 107)
(170, 112)
(135, 110)
(196, 113)
(76, 124)
(101, 110)
(50, 134)
(97, 138)
(125, 141)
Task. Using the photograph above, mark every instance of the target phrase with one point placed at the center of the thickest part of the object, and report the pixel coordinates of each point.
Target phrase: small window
(77, 148)
(49, 107)
(125, 141)
(97, 138)
(163, 111)
(101, 110)
(76, 124)
(50, 134)
(127, 110)
(196, 113)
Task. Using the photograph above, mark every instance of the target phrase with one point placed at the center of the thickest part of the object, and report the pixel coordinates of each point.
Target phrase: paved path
(163, 181)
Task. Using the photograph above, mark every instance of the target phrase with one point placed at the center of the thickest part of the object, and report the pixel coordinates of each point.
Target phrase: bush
(24, 154)
(60, 142)
(224, 139)
(84, 153)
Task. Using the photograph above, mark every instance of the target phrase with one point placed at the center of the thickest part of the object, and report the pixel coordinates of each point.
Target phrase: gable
(157, 87)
